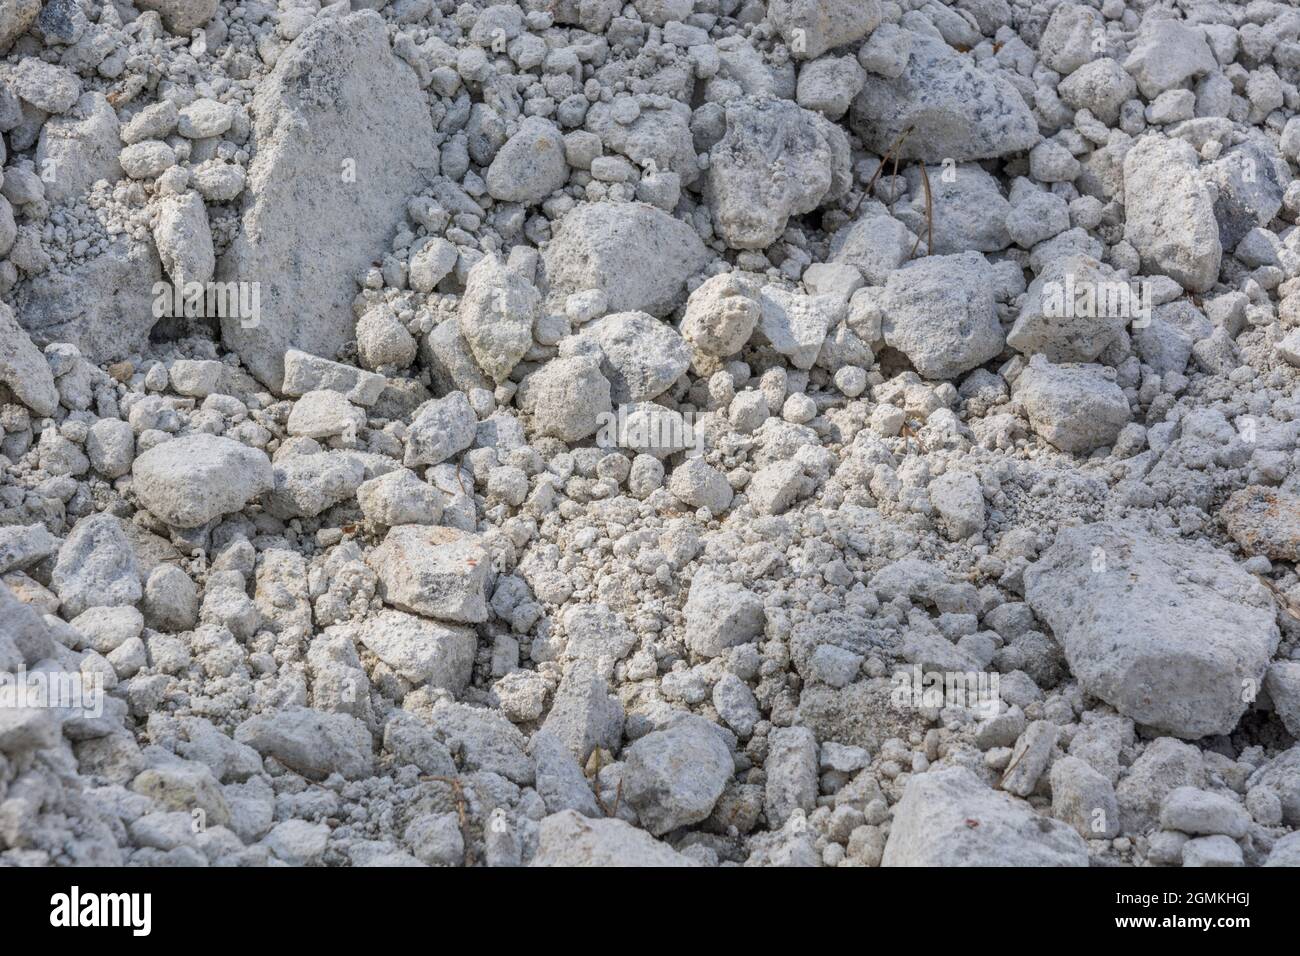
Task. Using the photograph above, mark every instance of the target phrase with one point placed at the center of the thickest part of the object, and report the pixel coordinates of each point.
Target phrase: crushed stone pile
(672, 432)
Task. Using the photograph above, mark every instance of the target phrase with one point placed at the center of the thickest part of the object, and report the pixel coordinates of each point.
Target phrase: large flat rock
(338, 102)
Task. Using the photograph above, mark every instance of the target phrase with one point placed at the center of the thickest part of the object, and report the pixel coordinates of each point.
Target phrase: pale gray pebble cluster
(612, 416)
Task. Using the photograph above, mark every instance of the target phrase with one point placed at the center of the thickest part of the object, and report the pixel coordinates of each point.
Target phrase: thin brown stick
(929, 217)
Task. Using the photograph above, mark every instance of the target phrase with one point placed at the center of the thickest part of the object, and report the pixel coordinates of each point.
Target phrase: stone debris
(778, 432)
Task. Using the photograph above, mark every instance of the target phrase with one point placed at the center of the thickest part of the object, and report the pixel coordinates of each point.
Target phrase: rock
(96, 567)
(639, 256)
(15, 17)
(795, 324)
(422, 651)
(1084, 799)
(530, 166)
(674, 777)
(811, 27)
(955, 109)
(593, 631)
(560, 781)
(939, 312)
(436, 839)
(968, 212)
(1249, 181)
(1285, 852)
(187, 482)
(720, 316)
(305, 373)
(1072, 311)
(583, 714)
(949, 818)
(1167, 54)
(310, 742)
(641, 356)
(103, 305)
(184, 239)
(1264, 521)
(298, 842)
(488, 741)
(399, 497)
(1075, 407)
(171, 600)
(21, 546)
(876, 244)
(497, 313)
(335, 134)
(750, 205)
(81, 147)
(1163, 766)
(324, 414)
(1100, 86)
(1167, 648)
(306, 485)
(569, 839)
(437, 572)
(568, 398)
(441, 428)
(791, 773)
(959, 499)
(23, 368)
(182, 17)
(720, 615)
(1283, 685)
(1199, 812)
(1282, 775)
(1211, 851)
(697, 484)
(1169, 212)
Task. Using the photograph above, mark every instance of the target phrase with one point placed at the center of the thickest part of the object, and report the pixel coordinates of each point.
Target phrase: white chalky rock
(310, 742)
(96, 567)
(83, 146)
(182, 17)
(569, 839)
(641, 356)
(950, 818)
(959, 499)
(530, 166)
(751, 205)
(639, 256)
(422, 651)
(720, 615)
(1073, 311)
(187, 482)
(400, 497)
(335, 135)
(720, 316)
(796, 324)
(1167, 634)
(441, 428)
(697, 484)
(569, 398)
(323, 414)
(1075, 407)
(1169, 212)
(438, 572)
(674, 777)
(1167, 54)
(304, 373)
(306, 485)
(811, 27)
(939, 312)
(954, 108)
(22, 367)
(497, 313)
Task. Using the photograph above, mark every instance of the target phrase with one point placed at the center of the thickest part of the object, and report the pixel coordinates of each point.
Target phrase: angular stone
(422, 651)
(186, 482)
(434, 571)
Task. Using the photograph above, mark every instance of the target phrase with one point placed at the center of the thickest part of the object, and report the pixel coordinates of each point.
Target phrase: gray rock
(720, 615)
(750, 205)
(1169, 212)
(1199, 812)
(96, 567)
(567, 397)
(674, 777)
(306, 485)
(1075, 407)
(530, 166)
(182, 17)
(1167, 54)
(82, 146)
(641, 356)
(955, 109)
(310, 742)
(639, 256)
(811, 27)
(422, 651)
(949, 818)
(939, 312)
(487, 740)
(441, 428)
(1084, 799)
(1283, 685)
(434, 571)
(560, 781)
(569, 839)
(335, 134)
(583, 714)
(1066, 314)
(791, 773)
(497, 313)
(1167, 648)
(305, 373)
(187, 482)
(796, 324)
(23, 368)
